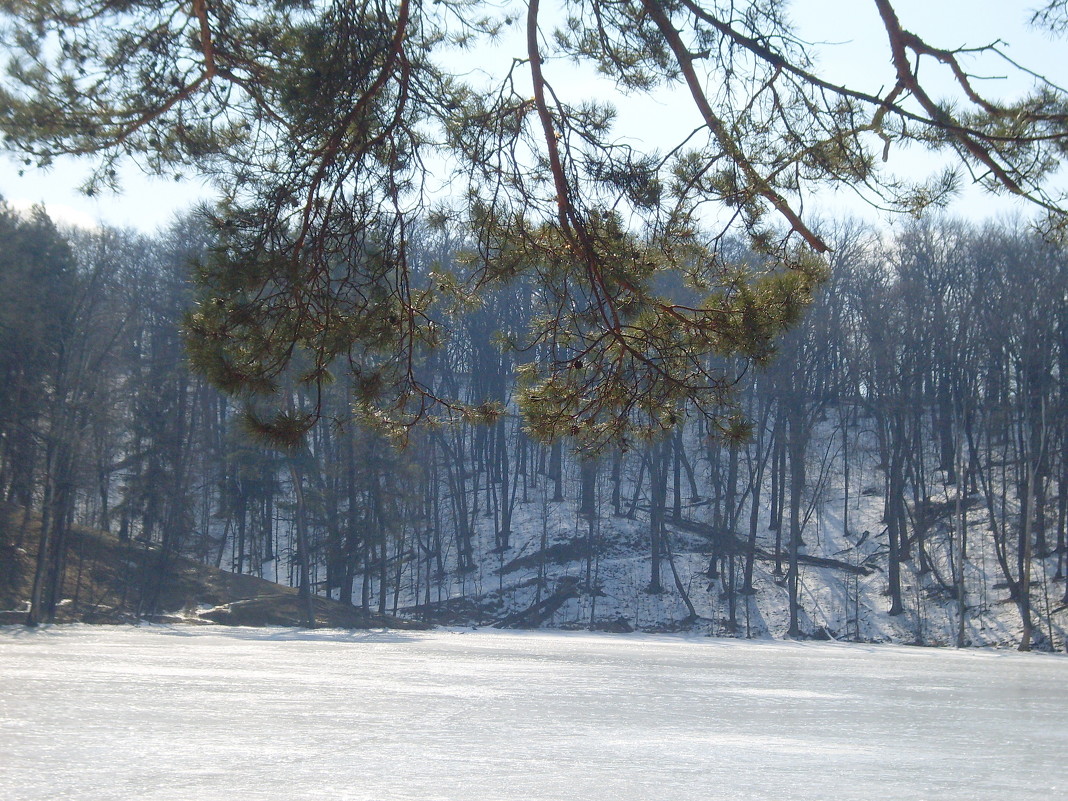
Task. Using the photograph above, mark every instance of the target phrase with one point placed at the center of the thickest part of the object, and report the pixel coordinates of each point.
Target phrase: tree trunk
(303, 556)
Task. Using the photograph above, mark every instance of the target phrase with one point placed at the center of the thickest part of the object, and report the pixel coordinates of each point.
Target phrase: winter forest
(533, 399)
(901, 475)
(457, 336)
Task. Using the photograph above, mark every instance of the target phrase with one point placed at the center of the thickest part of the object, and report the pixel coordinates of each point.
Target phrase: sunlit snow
(210, 713)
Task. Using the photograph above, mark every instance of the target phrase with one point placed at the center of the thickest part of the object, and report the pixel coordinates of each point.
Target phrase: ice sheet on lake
(239, 714)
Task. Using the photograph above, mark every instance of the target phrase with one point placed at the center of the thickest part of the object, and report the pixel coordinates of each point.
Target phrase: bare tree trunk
(797, 448)
(657, 499)
(303, 555)
(556, 469)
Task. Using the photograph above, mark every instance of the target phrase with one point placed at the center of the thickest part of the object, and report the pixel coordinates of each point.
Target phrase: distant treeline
(939, 351)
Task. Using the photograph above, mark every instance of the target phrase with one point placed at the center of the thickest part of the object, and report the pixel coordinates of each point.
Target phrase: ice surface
(201, 714)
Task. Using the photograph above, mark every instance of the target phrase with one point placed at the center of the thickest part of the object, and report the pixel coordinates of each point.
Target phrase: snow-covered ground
(210, 713)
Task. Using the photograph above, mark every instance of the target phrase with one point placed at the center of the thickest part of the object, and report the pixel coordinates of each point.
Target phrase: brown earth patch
(108, 580)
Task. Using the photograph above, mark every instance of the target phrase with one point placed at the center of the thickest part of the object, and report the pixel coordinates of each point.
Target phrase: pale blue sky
(852, 49)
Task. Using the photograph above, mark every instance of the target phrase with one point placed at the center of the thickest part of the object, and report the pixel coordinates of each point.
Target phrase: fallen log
(537, 613)
(725, 542)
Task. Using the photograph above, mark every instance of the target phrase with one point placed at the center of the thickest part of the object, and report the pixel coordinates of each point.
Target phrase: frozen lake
(197, 714)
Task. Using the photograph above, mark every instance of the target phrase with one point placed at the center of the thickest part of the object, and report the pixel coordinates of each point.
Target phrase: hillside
(568, 570)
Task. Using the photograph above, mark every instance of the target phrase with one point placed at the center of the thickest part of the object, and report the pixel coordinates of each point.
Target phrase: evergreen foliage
(327, 125)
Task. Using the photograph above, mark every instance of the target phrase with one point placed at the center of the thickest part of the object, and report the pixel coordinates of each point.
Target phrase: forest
(533, 399)
(898, 470)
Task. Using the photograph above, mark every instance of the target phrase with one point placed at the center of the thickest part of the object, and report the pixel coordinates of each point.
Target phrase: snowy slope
(836, 603)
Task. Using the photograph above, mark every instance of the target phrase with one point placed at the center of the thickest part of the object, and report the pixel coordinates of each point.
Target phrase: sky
(851, 47)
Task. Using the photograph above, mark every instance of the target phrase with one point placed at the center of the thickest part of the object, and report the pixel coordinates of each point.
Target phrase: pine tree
(324, 125)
